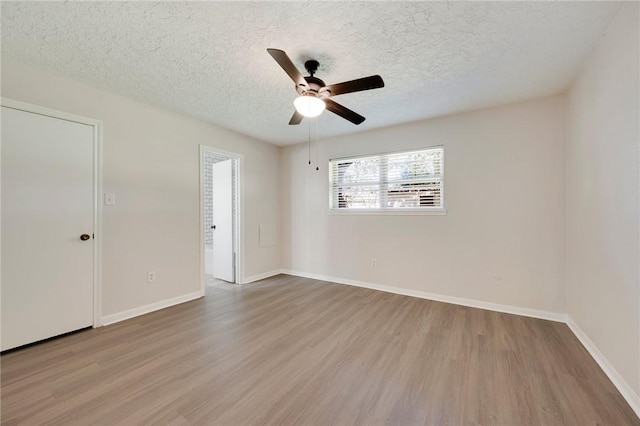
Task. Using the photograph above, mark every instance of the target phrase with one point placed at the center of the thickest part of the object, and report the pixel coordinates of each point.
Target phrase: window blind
(399, 180)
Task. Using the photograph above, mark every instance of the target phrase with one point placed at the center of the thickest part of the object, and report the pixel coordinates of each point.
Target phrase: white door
(47, 205)
(222, 192)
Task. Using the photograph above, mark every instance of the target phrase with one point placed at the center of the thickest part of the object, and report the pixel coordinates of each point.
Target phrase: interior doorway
(220, 212)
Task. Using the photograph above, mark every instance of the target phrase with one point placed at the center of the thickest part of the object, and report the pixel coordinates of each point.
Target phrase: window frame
(416, 211)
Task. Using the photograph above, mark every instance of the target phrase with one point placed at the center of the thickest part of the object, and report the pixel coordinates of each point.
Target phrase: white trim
(201, 216)
(390, 212)
(240, 219)
(142, 310)
(616, 378)
(97, 226)
(239, 237)
(49, 112)
(375, 154)
(97, 189)
(527, 312)
(264, 275)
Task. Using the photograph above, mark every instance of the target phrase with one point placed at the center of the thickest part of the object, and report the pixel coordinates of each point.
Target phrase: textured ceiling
(208, 59)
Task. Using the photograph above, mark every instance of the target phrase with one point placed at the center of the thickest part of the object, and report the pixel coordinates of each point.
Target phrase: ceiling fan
(314, 94)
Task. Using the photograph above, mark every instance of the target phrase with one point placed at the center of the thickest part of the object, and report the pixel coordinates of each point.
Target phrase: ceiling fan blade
(283, 60)
(343, 112)
(366, 83)
(296, 118)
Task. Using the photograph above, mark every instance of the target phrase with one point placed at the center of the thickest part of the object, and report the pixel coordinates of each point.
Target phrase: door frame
(97, 189)
(239, 192)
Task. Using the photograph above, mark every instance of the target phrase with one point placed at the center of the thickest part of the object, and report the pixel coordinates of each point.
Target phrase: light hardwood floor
(297, 351)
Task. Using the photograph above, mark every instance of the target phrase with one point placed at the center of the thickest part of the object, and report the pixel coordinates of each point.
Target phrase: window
(410, 181)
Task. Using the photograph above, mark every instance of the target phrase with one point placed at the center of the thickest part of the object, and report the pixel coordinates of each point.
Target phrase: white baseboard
(262, 276)
(619, 382)
(623, 387)
(533, 313)
(131, 313)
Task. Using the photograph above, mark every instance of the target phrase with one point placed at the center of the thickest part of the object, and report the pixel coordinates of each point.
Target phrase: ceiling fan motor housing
(314, 87)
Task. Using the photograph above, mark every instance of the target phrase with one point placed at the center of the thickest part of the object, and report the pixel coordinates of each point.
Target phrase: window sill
(389, 212)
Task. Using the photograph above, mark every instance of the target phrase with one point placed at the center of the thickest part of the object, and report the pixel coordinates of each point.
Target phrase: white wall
(603, 230)
(504, 195)
(151, 163)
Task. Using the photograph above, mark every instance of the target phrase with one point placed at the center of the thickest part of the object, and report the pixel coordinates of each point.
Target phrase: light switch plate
(109, 199)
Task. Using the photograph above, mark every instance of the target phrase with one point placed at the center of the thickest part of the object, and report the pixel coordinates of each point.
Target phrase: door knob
(213, 227)
(84, 237)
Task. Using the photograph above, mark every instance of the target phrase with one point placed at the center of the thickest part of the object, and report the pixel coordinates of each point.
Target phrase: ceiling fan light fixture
(309, 105)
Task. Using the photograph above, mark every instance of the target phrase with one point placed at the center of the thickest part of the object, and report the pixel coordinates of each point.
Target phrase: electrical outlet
(151, 277)
(109, 199)
(374, 262)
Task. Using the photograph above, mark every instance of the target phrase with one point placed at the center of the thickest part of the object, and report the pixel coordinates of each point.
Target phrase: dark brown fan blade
(343, 111)
(283, 60)
(296, 118)
(366, 83)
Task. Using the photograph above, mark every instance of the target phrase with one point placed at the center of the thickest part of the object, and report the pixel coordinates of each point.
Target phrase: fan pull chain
(309, 141)
(316, 140)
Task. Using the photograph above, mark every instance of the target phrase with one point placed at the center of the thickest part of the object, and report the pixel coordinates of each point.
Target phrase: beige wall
(542, 200)
(151, 163)
(603, 230)
(504, 195)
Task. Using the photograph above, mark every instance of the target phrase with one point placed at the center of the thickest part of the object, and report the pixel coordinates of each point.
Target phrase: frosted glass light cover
(309, 106)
